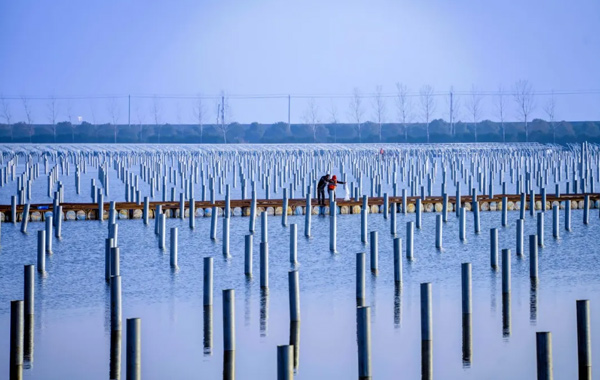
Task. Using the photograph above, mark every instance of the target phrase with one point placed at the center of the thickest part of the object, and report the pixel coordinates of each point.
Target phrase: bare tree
(474, 107)
(379, 108)
(6, 113)
(356, 110)
(524, 97)
(52, 114)
(311, 116)
(333, 114)
(156, 114)
(550, 109)
(199, 113)
(454, 110)
(224, 110)
(28, 116)
(501, 110)
(427, 106)
(403, 104)
(114, 112)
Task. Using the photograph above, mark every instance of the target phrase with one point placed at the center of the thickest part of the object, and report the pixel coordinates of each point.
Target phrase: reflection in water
(229, 365)
(506, 315)
(264, 311)
(107, 307)
(426, 359)
(533, 301)
(40, 306)
(115, 355)
(397, 305)
(208, 326)
(295, 341)
(373, 297)
(467, 340)
(16, 371)
(28, 341)
(172, 301)
(247, 301)
(493, 288)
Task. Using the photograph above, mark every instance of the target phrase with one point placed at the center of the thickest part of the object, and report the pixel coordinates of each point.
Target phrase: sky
(165, 54)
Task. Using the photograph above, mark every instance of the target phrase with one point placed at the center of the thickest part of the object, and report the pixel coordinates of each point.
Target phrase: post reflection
(115, 355)
(467, 339)
(28, 341)
(493, 287)
(229, 365)
(506, 315)
(426, 360)
(264, 311)
(397, 305)
(207, 328)
(533, 302)
(247, 301)
(295, 342)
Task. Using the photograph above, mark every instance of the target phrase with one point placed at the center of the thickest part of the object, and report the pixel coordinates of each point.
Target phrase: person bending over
(323, 182)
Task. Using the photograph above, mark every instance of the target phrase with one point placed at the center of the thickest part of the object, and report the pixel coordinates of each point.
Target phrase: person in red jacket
(333, 182)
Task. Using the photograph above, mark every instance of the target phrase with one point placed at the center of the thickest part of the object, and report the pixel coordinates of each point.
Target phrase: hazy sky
(114, 48)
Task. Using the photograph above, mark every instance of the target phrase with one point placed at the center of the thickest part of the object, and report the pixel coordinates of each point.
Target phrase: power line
(296, 96)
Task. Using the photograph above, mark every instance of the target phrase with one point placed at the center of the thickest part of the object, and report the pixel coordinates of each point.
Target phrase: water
(72, 320)
(72, 330)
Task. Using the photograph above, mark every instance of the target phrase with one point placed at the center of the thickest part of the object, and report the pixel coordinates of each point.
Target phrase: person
(332, 185)
(323, 182)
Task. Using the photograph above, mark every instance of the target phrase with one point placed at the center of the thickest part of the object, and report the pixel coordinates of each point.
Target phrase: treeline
(439, 131)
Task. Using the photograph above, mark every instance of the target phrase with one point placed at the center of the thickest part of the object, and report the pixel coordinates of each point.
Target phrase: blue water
(72, 329)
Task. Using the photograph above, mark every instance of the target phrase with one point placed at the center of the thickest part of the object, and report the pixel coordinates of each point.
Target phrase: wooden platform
(241, 207)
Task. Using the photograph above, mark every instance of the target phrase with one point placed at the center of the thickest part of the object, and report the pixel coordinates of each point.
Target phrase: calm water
(72, 330)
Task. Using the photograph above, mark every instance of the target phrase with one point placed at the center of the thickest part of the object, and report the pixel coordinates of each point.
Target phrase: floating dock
(241, 207)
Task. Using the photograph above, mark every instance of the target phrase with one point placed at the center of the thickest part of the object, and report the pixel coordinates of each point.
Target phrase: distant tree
(404, 107)
(28, 117)
(501, 110)
(474, 107)
(6, 114)
(427, 106)
(524, 98)
(199, 113)
(550, 109)
(356, 110)
(52, 114)
(454, 109)
(379, 108)
(311, 117)
(333, 114)
(114, 112)
(156, 114)
(6, 111)
(224, 116)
